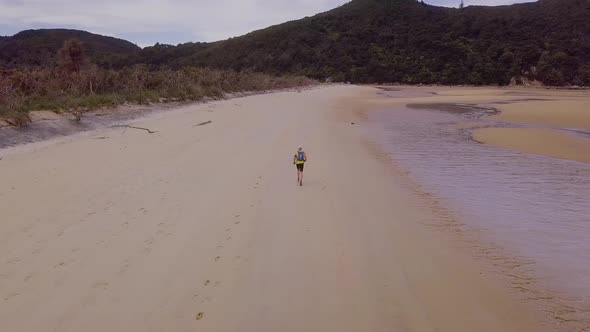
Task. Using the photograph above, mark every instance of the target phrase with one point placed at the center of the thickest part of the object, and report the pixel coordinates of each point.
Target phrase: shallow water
(536, 207)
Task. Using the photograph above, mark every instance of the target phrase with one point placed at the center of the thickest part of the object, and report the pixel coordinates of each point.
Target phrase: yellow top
(297, 161)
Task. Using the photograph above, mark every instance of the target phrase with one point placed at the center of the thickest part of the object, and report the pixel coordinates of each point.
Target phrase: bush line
(55, 89)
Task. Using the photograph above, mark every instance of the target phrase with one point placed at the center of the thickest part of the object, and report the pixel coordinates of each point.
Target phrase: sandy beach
(202, 227)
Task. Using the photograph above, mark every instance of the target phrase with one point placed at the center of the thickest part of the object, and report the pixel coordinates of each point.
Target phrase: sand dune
(203, 228)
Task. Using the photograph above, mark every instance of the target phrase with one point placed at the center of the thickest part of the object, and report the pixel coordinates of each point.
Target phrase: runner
(299, 160)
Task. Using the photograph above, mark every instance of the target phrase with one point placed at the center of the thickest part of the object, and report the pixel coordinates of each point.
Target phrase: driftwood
(133, 127)
(203, 123)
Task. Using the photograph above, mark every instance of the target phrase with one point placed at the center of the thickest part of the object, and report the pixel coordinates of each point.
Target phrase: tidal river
(534, 207)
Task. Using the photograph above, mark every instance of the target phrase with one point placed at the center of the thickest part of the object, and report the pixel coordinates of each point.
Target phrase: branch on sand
(133, 127)
(203, 123)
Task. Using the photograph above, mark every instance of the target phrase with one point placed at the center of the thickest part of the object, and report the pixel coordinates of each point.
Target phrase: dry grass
(56, 90)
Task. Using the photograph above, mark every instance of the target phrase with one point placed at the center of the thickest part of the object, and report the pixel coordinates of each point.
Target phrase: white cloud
(149, 21)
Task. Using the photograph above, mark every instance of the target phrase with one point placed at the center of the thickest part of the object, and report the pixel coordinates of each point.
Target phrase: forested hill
(410, 42)
(39, 47)
(370, 41)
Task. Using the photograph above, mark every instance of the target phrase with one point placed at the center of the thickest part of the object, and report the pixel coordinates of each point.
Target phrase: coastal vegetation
(76, 85)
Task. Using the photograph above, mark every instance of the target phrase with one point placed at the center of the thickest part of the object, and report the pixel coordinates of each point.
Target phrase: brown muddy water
(536, 208)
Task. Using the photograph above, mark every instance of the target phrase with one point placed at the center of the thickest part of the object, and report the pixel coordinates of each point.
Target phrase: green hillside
(410, 42)
(369, 41)
(39, 47)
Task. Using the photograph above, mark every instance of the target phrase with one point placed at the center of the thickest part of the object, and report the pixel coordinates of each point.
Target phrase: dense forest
(406, 41)
(371, 41)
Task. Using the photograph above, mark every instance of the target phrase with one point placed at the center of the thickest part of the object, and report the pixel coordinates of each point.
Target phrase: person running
(299, 160)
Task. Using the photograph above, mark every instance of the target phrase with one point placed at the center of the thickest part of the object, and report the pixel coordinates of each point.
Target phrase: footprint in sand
(10, 296)
(217, 258)
(13, 260)
(207, 282)
(101, 285)
(29, 277)
(200, 316)
(60, 264)
(125, 267)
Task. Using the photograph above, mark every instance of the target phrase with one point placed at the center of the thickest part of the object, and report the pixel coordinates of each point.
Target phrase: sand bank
(548, 142)
(565, 113)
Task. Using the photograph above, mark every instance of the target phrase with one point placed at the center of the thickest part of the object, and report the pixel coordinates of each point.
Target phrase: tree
(71, 56)
(461, 5)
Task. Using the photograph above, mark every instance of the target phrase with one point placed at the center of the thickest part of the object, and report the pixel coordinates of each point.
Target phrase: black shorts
(300, 167)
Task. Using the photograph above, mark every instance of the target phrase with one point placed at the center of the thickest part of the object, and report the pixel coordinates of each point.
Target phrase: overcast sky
(146, 22)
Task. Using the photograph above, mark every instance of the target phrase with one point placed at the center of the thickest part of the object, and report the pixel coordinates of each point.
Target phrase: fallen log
(203, 123)
(133, 127)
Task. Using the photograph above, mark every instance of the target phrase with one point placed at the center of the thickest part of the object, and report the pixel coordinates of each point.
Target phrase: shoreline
(50, 125)
(135, 112)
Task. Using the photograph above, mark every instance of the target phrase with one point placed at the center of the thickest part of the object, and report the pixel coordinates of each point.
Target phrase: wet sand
(203, 228)
(519, 203)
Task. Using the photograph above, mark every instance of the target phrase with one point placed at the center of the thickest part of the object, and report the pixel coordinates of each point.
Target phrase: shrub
(90, 87)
